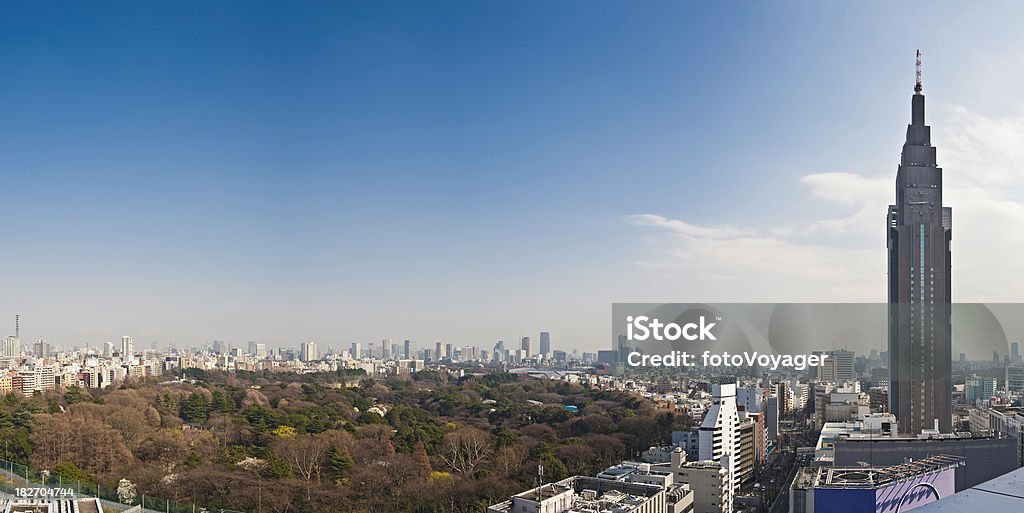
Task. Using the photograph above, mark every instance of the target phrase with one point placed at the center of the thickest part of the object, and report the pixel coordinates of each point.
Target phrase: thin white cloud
(867, 196)
(684, 228)
(983, 161)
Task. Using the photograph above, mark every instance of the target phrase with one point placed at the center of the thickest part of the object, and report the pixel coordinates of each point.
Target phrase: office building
(41, 349)
(1015, 378)
(559, 356)
(746, 458)
(979, 389)
(712, 491)
(308, 352)
(526, 346)
(257, 350)
(983, 457)
(11, 347)
(719, 432)
(872, 426)
(838, 367)
(545, 343)
(919, 235)
(127, 347)
(590, 494)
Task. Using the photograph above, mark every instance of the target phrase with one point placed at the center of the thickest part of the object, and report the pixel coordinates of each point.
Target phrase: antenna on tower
(917, 74)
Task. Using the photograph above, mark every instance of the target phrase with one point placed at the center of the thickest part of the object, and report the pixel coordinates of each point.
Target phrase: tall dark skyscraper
(919, 236)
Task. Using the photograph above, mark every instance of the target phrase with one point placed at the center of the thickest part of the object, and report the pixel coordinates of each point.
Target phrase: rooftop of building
(81, 505)
(543, 492)
(589, 495)
(703, 464)
(923, 437)
(870, 477)
(1004, 494)
(634, 467)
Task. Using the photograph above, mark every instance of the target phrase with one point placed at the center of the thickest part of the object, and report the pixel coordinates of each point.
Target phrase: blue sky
(349, 171)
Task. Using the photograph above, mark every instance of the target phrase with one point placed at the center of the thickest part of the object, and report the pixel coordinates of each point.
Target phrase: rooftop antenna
(540, 481)
(917, 74)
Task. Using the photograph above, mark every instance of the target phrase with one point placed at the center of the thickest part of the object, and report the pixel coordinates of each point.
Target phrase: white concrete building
(719, 433)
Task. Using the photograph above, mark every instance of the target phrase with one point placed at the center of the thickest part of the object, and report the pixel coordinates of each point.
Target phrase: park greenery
(333, 442)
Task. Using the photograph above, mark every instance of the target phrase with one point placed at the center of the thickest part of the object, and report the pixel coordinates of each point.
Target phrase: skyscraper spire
(917, 74)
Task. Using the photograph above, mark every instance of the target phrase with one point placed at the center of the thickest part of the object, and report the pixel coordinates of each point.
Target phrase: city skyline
(346, 173)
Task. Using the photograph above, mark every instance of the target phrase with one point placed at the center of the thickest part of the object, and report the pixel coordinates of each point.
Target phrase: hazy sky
(482, 170)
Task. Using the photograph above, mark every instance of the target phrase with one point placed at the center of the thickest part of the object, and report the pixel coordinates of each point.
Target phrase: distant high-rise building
(127, 347)
(308, 352)
(41, 348)
(558, 356)
(963, 357)
(357, 350)
(499, 349)
(525, 345)
(837, 368)
(995, 356)
(257, 350)
(545, 343)
(979, 389)
(408, 350)
(385, 348)
(919, 233)
(108, 349)
(1014, 352)
(439, 351)
(11, 347)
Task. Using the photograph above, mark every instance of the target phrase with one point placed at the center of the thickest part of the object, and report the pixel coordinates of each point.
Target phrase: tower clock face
(920, 202)
(921, 209)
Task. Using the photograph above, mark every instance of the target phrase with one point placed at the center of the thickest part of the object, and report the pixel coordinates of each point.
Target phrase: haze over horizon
(475, 172)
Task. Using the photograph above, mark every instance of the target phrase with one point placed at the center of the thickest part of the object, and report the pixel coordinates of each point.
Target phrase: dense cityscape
(265, 185)
(715, 443)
